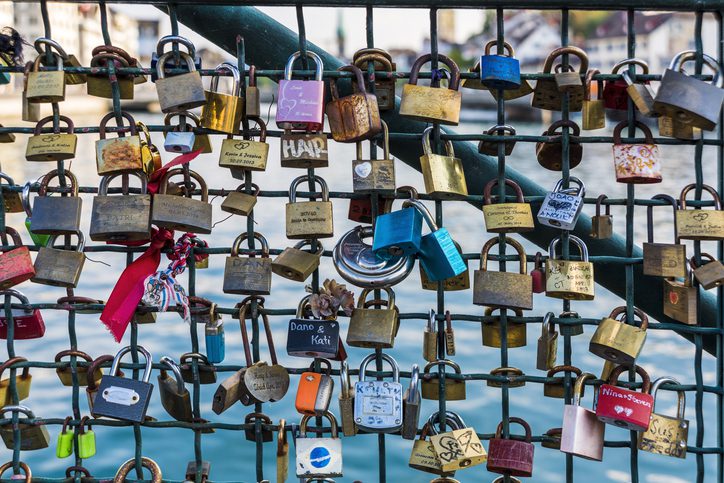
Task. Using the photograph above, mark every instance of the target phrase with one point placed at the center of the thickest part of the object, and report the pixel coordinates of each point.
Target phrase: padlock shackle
(106, 180)
(627, 62)
(419, 206)
(75, 300)
(691, 55)
(649, 138)
(101, 60)
(359, 86)
(427, 148)
(385, 146)
(14, 236)
(388, 290)
(112, 115)
(564, 368)
(175, 39)
(254, 187)
(117, 361)
(192, 174)
(681, 395)
(317, 179)
(578, 387)
(506, 372)
(77, 469)
(262, 129)
(73, 352)
(246, 303)
(141, 128)
(85, 421)
(582, 248)
(506, 47)
(182, 115)
(704, 187)
(516, 312)
(548, 326)
(171, 364)
(363, 60)
(161, 63)
(245, 236)
(40, 41)
(645, 380)
(581, 187)
(78, 248)
(311, 55)
(650, 216)
(571, 50)
(15, 293)
(305, 420)
(587, 85)
(501, 128)
(43, 190)
(95, 366)
(599, 201)
(452, 420)
(23, 466)
(384, 357)
(235, 75)
(619, 313)
(300, 244)
(11, 362)
(513, 419)
(446, 362)
(345, 384)
(551, 131)
(59, 62)
(704, 256)
(487, 191)
(322, 362)
(194, 355)
(17, 408)
(25, 199)
(70, 127)
(414, 388)
(147, 463)
(454, 83)
(509, 241)
(373, 51)
(306, 300)
(431, 321)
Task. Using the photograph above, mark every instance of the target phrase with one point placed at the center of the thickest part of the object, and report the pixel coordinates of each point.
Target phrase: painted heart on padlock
(618, 409)
(363, 169)
(453, 449)
(267, 383)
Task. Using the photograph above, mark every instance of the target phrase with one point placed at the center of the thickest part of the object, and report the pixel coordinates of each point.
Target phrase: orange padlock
(315, 390)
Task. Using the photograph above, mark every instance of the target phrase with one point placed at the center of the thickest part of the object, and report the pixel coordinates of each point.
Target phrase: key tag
(64, 447)
(86, 439)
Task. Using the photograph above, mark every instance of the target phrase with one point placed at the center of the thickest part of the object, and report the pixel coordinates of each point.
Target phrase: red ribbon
(154, 183)
(128, 291)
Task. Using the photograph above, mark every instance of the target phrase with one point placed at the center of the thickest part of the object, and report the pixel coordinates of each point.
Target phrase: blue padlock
(398, 233)
(215, 340)
(499, 71)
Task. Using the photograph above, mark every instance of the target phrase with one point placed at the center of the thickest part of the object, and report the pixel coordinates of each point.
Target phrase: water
(232, 457)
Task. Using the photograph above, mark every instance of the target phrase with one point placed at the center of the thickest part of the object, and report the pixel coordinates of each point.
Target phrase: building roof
(644, 24)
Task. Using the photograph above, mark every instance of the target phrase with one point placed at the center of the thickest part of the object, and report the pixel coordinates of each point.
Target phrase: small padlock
(91, 384)
(27, 323)
(179, 142)
(223, 112)
(32, 435)
(431, 103)
(556, 387)
(511, 456)
(257, 420)
(569, 279)
(12, 200)
(623, 407)
(315, 389)
(508, 94)
(547, 94)
(121, 154)
(443, 174)
(602, 224)
(59, 267)
(616, 92)
(430, 339)
(505, 217)
(64, 443)
(181, 92)
(680, 300)
(666, 435)
(503, 289)
(700, 224)
(547, 350)
(374, 328)
(57, 215)
(454, 388)
(48, 85)
(240, 155)
(593, 114)
(582, 432)
(709, 274)
(301, 102)
(354, 117)
(374, 175)
(150, 156)
(86, 439)
(346, 402)
(318, 457)
(308, 337)
(239, 202)
(663, 259)
(636, 163)
(398, 233)
(423, 456)
(384, 86)
(248, 275)
(561, 207)
(618, 341)
(214, 337)
(449, 335)
(567, 80)
(22, 381)
(458, 449)
(516, 333)
(179, 212)
(378, 404)
(175, 398)
(499, 71)
(513, 377)
(65, 374)
(52, 146)
(411, 402)
(252, 102)
(121, 218)
(296, 264)
(490, 147)
(16, 266)
(309, 219)
(538, 274)
(550, 152)
(202, 141)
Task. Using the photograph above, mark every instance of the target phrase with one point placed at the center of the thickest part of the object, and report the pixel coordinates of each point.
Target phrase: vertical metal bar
(720, 255)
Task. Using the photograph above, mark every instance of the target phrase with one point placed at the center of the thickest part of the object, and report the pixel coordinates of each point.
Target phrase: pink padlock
(28, 323)
(301, 102)
(636, 163)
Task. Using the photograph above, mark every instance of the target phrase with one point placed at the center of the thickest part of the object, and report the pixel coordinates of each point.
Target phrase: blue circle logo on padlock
(319, 457)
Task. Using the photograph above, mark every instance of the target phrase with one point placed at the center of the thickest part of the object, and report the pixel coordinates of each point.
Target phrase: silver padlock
(179, 141)
(561, 207)
(411, 405)
(582, 433)
(378, 404)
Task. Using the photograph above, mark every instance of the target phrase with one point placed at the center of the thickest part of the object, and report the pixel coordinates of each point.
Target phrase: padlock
(223, 112)
(121, 218)
(100, 85)
(346, 402)
(252, 102)
(374, 327)
(551, 439)
(64, 443)
(282, 452)
(354, 117)
(623, 407)
(181, 92)
(378, 404)
(22, 381)
(709, 274)
(309, 219)
(516, 333)
(374, 175)
(430, 339)
(91, 384)
(175, 398)
(432, 103)
(666, 435)
(71, 78)
(593, 114)
(16, 266)
(59, 267)
(301, 102)
(25, 199)
(513, 377)
(449, 335)
(57, 215)
(398, 233)
(569, 279)
(384, 86)
(245, 154)
(148, 463)
(248, 275)
(550, 152)
(506, 217)
(179, 142)
(71, 471)
(491, 147)
(265, 434)
(438, 254)
(582, 432)
(7, 137)
(411, 402)
(176, 63)
(239, 202)
(557, 388)
(308, 337)
(602, 224)
(616, 93)
(561, 207)
(121, 154)
(150, 156)
(641, 96)
(144, 316)
(672, 128)
(511, 456)
(458, 449)
(443, 174)
(124, 399)
(700, 224)
(508, 94)
(503, 289)
(663, 259)
(314, 392)
(567, 80)
(547, 349)
(687, 100)
(547, 95)
(680, 300)
(296, 264)
(214, 337)
(27, 323)
(618, 341)
(179, 212)
(65, 374)
(30, 110)
(26, 470)
(202, 141)
(53, 146)
(423, 456)
(499, 71)
(458, 282)
(48, 85)
(227, 394)
(538, 274)
(454, 388)
(86, 439)
(32, 435)
(12, 200)
(636, 163)
(318, 457)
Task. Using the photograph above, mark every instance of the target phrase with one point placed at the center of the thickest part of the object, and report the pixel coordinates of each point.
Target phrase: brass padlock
(32, 435)
(505, 217)
(181, 92)
(384, 86)
(206, 370)
(179, 212)
(443, 174)
(346, 401)
(546, 94)
(175, 398)
(430, 338)
(602, 225)
(12, 199)
(354, 117)
(296, 264)
(503, 289)
(57, 215)
(374, 328)
(121, 218)
(121, 154)
(309, 219)
(454, 388)
(663, 259)
(617, 341)
(550, 152)
(71, 78)
(709, 274)
(55, 146)
(374, 175)
(423, 456)
(30, 110)
(452, 284)
(569, 279)
(252, 103)
(240, 155)
(22, 381)
(248, 275)
(100, 85)
(48, 85)
(680, 300)
(700, 224)
(557, 387)
(150, 156)
(432, 104)
(513, 377)
(58, 267)
(593, 114)
(491, 147)
(516, 333)
(672, 128)
(458, 449)
(65, 374)
(239, 202)
(666, 435)
(304, 150)
(223, 112)
(547, 350)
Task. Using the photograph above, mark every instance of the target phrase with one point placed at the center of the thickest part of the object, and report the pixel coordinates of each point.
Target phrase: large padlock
(618, 341)
(32, 435)
(179, 212)
(175, 398)
(562, 207)
(616, 92)
(709, 274)
(666, 435)
(121, 398)
(411, 402)
(499, 71)
(301, 102)
(680, 300)
(181, 92)
(458, 282)
(602, 224)
(699, 224)
(399, 233)
(582, 432)
(202, 141)
(505, 217)
(432, 103)
(309, 219)
(22, 381)
(547, 348)
(16, 266)
(318, 457)
(223, 112)
(121, 154)
(48, 85)
(57, 266)
(636, 163)
(511, 456)
(346, 401)
(443, 174)
(384, 86)
(458, 449)
(547, 95)
(516, 333)
(27, 323)
(121, 218)
(623, 407)
(248, 275)
(550, 152)
(688, 100)
(378, 404)
(354, 117)
(53, 146)
(65, 373)
(593, 114)
(296, 264)
(569, 279)
(314, 392)
(423, 456)
(374, 175)
(503, 289)
(245, 154)
(374, 328)
(57, 215)
(663, 259)
(454, 388)
(308, 337)
(556, 386)
(12, 200)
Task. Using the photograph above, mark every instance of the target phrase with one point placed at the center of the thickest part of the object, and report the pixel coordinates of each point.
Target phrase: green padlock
(86, 439)
(39, 240)
(65, 441)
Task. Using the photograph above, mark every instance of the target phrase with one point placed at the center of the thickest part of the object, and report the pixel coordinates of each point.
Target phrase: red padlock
(360, 209)
(16, 266)
(615, 94)
(625, 408)
(539, 275)
(510, 456)
(28, 322)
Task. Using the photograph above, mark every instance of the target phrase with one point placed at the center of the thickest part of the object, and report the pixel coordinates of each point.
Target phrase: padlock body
(177, 403)
(671, 128)
(680, 302)
(547, 96)
(517, 334)
(252, 102)
(615, 95)
(665, 435)
(431, 104)
(511, 457)
(179, 141)
(46, 86)
(568, 81)
(582, 433)
(455, 390)
(452, 284)
(32, 437)
(309, 219)
(372, 328)
(181, 92)
(440, 257)
(60, 268)
(601, 227)
(100, 86)
(319, 457)
(239, 203)
(57, 215)
(398, 233)
(64, 444)
(243, 154)
(547, 351)
(637, 163)
(86, 444)
(503, 289)
(710, 274)
(539, 280)
(354, 118)
(295, 264)
(688, 100)
(118, 155)
(593, 115)
(550, 154)
(51, 147)
(499, 72)
(617, 342)
(313, 338)
(642, 98)
(624, 408)
(314, 393)
(424, 458)
(346, 415)
(181, 213)
(508, 217)
(443, 176)
(121, 398)
(664, 259)
(300, 105)
(700, 224)
(569, 280)
(308, 150)
(560, 210)
(373, 176)
(378, 406)
(16, 266)
(247, 275)
(222, 112)
(28, 324)
(215, 344)
(31, 110)
(121, 218)
(458, 449)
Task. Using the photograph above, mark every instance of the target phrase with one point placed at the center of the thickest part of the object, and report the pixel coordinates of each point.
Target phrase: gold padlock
(121, 154)
(546, 94)
(150, 156)
(12, 199)
(547, 350)
(99, 85)
(223, 112)
(240, 202)
(617, 341)
(65, 374)
(46, 86)
(700, 224)
(443, 174)
(663, 259)
(374, 175)
(59, 267)
(506, 217)
(245, 154)
(602, 224)
(423, 456)
(593, 113)
(181, 92)
(666, 435)
(513, 377)
(55, 146)
(309, 219)
(71, 78)
(503, 289)
(430, 338)
(22, 381)
(568, 279)
(709, 274)
(458, 449)
(374, 328)
(296, 264)
(680, 300)
(672, 128)
(354, 117)
(454, 388)
(201, 142)
(516, 333)
(432, 104)
(557, 388)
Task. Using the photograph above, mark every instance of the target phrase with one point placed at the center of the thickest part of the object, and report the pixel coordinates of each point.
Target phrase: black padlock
(314, 337)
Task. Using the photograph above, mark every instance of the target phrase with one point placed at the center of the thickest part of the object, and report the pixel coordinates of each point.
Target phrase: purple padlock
(301, 102)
